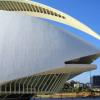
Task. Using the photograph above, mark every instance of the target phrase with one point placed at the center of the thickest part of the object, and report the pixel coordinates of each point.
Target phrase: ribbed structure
(22, 6)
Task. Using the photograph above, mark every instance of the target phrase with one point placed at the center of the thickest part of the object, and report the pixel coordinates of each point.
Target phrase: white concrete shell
(39, 10)
(33, 51)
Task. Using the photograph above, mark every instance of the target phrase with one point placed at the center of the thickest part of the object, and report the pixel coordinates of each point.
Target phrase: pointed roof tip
(98, 37)
(95, 35)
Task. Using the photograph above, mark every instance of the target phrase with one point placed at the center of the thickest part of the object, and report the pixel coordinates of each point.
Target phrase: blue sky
(86, 11)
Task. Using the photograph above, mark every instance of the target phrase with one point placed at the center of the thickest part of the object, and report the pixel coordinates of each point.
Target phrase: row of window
(21, 6)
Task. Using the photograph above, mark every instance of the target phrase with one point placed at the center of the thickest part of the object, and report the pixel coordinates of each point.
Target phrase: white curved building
(36, 57)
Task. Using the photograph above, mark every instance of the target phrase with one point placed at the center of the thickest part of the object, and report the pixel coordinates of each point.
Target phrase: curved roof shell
(39, 10)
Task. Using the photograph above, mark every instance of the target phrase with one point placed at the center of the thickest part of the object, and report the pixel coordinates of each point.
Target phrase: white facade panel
(29, 46)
